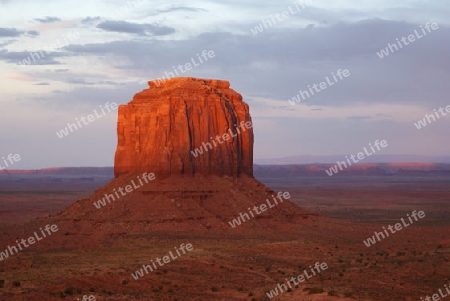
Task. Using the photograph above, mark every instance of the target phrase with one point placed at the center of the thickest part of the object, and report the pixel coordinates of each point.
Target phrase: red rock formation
(157, 131)
(161, 127)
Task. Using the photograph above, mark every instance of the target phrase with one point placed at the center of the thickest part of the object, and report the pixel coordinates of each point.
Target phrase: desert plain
(242, 263)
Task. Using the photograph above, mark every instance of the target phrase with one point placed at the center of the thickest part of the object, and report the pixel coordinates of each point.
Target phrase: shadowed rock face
(161, 127)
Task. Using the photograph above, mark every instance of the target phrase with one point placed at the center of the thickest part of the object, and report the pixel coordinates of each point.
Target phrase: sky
(95, 52)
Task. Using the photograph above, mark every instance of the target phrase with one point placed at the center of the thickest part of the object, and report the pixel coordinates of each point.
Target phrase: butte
(158, 132)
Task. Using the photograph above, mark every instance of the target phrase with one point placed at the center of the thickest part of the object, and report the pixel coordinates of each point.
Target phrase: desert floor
(407, 265)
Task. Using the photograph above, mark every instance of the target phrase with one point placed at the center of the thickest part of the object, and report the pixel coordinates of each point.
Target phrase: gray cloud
(292, 59)
(360, 118)
(134, 28)
(56, 70)
(82, 81)
(33, 33)
(6, 43)
(181, 8)
(48, 20)
(90, 20)
(79, 81)
(13, 32)
(40, 57)
(89, 95)
(10, 32)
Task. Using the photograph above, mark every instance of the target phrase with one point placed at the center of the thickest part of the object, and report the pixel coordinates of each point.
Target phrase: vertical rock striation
(160, 129)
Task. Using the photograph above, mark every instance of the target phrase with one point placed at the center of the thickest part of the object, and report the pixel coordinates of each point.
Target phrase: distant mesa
(160, 127)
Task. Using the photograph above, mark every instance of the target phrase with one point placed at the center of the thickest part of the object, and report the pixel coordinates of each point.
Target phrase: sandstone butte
(160, 127)
(156, 132)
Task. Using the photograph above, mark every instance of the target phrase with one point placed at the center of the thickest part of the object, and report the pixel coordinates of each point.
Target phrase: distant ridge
(368, 169)
(309, 159)
(61, 171)
(260, 171)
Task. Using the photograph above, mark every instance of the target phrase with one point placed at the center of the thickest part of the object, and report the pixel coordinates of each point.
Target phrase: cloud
(13, 32)
(82, 96)
(82, 81)
(20, 56)
(42, 84)
(79, 81)
(292, 59)
(33, 33)
(48, 20)
(10, 32)
(360, 118)
(134, 28)
(18, 76)
(181, 8)
(6, 43)
(90, 20)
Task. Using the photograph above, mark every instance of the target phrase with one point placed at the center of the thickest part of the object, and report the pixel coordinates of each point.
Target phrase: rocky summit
(185, 126)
